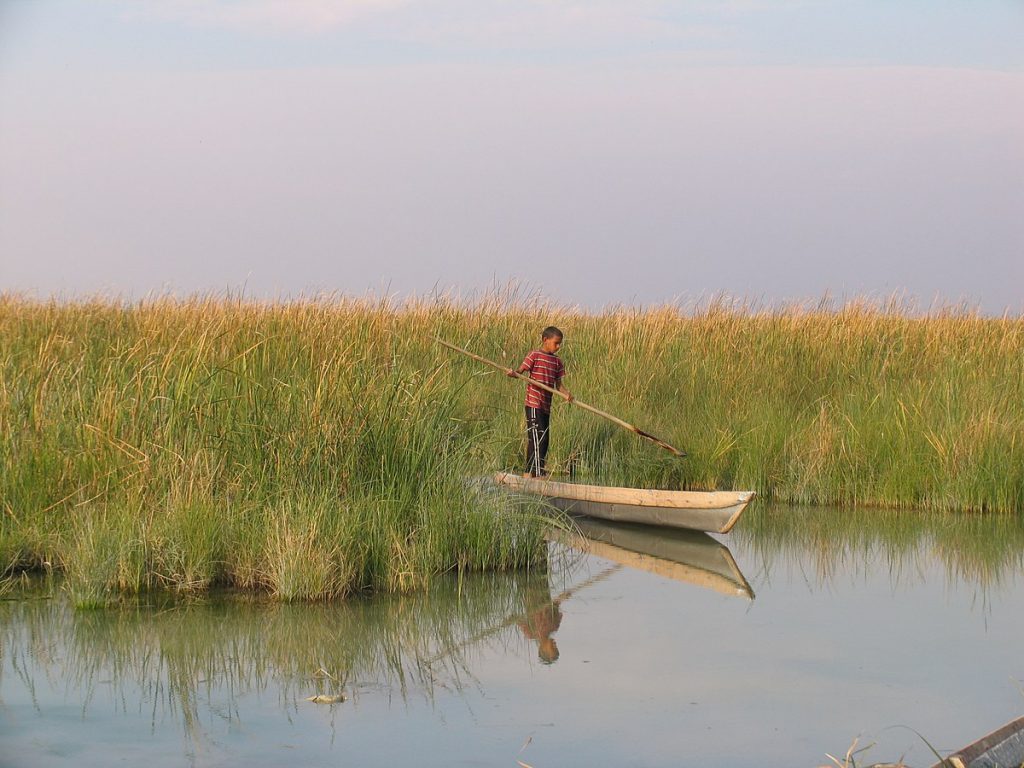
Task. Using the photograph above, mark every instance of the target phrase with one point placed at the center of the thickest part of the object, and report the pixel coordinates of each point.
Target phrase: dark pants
(537, 433)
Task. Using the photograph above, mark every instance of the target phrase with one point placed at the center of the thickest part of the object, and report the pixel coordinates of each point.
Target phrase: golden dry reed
(316, 447)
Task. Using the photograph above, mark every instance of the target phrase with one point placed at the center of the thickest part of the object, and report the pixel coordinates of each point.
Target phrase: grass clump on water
(320, 447)
(294, 449)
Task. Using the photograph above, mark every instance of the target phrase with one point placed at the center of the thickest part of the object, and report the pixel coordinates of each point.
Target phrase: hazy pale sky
(605, 152)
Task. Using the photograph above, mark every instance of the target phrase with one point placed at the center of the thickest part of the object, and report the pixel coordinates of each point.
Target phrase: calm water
(813, 628)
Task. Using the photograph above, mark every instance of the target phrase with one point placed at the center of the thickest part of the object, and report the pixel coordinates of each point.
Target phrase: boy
(542, 365)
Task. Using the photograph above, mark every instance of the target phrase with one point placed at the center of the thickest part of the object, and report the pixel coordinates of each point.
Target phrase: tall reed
(318, 447)
(295, 449)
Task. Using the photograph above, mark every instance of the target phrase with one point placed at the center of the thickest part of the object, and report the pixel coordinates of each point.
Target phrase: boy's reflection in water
(543, 613)
(542, 619)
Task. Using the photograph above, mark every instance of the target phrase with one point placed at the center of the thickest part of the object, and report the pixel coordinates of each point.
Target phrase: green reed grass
(316, 448)
(295, 449)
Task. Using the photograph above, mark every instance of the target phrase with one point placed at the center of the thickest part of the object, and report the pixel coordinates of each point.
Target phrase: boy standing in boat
(544, 366)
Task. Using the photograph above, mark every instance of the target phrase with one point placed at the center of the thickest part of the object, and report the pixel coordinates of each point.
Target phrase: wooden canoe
(1003, 748)
(691, 557)
(710, 511)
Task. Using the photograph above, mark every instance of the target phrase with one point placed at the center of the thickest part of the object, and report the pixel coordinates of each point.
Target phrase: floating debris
(322, 698)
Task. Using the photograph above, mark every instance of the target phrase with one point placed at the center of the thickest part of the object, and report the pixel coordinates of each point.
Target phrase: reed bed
(315, 448)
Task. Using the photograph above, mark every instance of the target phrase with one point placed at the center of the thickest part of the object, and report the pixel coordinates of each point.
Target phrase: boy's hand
(569, 397)
(510, 373)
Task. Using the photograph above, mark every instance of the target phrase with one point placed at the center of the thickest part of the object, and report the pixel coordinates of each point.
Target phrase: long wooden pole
(574, 401)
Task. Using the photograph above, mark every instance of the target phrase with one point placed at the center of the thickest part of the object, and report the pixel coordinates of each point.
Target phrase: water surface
(808, 630)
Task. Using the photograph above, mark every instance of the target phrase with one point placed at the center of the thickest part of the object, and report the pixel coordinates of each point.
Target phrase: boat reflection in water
(688, 556)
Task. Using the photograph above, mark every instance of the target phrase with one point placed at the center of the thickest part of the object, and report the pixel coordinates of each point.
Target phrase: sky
(598, 154)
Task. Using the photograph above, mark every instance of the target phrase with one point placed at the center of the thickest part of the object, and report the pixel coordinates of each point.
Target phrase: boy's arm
(525, 367)
(569, 396)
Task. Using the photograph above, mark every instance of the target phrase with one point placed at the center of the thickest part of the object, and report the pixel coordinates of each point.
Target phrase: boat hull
(709, 511)
(1004, 746)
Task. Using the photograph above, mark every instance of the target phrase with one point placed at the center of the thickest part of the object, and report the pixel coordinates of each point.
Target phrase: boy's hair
(550, 332)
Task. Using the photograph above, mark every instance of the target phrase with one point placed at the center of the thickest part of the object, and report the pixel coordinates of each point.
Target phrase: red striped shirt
(545, 368)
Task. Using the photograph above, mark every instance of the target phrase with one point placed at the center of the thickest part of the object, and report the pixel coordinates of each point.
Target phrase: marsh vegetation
(314, 449)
